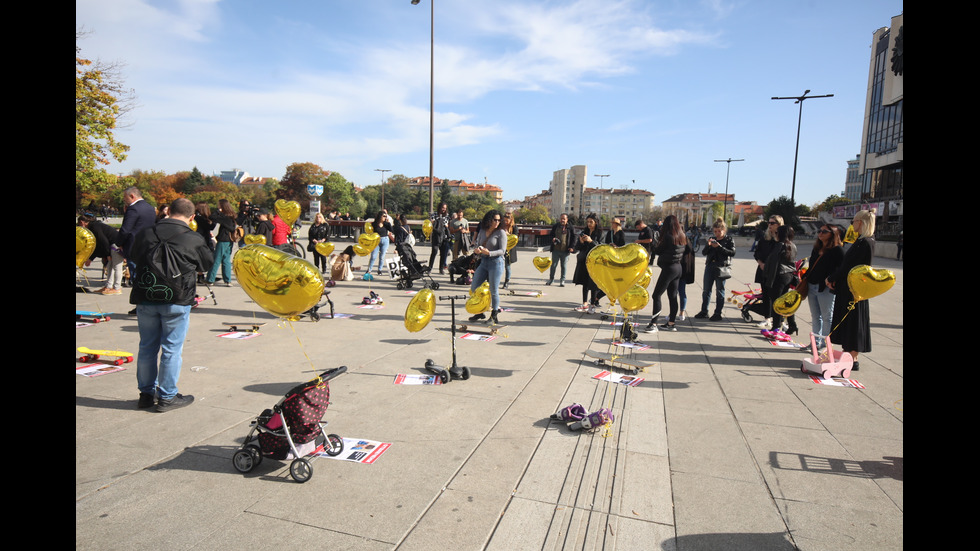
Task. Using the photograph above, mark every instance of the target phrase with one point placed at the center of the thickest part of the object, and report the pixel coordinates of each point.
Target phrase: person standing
(645, 237)
(670, 251)
(851, 329)
(562, 243)
(163, 311)
(510, 257)
(224, 223)
(319, 233)
(460, 229)
(587, 240)
(382, 226)
(827, 256)
(490, 246)
(718, 253)
(441, 238)
(762, 249)
(616, 236)
(139, 216)
(105, 248)
(780, 274)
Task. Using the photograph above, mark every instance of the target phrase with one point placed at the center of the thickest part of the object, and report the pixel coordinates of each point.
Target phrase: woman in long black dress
(851, 329)
(586, 241)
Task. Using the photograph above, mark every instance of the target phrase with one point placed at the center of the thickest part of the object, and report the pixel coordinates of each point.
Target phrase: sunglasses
(773, 223)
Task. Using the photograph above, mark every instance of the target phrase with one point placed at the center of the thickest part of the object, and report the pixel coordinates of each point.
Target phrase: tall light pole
(382, 171)
(432, 64)
(729, 160)
(600, 177)
(799, 99)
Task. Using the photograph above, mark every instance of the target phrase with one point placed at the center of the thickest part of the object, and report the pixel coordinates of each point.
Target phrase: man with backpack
(168, 257)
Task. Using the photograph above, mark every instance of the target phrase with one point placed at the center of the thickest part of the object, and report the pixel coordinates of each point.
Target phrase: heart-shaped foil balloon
(479, 300)
(427, 228)
(634, 299)
(646, 278)
(866, 282)
(361, 250)
(192, 223)
(324, 248)
(511, 241)
(616, 269)
(542, 263)
(254, 239)
(420, 310)
(851, 236)
(368, 227)
(282, 284)
(788, 303)
(369, 240)
(84, 245)
(288, 211)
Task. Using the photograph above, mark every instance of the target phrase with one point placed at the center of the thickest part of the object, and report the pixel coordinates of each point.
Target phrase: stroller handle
(331, 373)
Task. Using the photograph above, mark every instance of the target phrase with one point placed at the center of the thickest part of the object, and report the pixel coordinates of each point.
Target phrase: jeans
(821, 312)
(379, 254)
(710, 279)
(222, 257)
(491, 268)
(162, 329)
(558, 257)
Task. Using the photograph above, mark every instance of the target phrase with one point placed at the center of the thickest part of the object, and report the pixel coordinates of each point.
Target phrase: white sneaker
(765, 324)
(681, 316)
(591, 309)
(651, 329)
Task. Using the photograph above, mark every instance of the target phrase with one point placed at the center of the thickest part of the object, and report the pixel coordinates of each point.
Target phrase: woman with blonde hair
(718, 253)
(510, 257)
(851, 329)
(319, 233)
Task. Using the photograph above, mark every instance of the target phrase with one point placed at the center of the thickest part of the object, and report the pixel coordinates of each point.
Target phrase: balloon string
(301, 344)
(850, 307)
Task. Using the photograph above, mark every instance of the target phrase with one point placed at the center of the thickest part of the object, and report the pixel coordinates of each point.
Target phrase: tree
(829, 203)
(194, 181)
(790, 211)
(100, 100)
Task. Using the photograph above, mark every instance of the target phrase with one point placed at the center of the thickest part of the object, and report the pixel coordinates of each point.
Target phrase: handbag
(803, 287)
(723, 272)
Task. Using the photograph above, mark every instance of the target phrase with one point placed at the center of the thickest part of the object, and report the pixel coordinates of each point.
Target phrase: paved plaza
(725, 444)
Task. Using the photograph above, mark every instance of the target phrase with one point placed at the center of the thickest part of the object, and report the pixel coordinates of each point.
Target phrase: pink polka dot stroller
(293, 430)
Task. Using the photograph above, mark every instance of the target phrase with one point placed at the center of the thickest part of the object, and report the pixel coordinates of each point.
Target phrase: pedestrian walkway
(725, 444)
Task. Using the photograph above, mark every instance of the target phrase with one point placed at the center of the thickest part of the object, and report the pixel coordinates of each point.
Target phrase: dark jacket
(139, 216)
(556, 235)
(822, 266)
(192, 253)
(781, 261)
(617, 239)
(105, 236)
(668, 253)
(720, 255)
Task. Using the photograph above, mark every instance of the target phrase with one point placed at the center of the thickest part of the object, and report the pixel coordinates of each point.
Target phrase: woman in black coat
(780, 275)
(762, 250)
(851, 329)
(586, 241)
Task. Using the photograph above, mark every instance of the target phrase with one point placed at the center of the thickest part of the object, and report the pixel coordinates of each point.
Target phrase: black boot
(493, 316)
(477, 317)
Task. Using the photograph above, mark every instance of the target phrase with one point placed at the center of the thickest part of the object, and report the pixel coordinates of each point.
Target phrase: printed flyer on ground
(360, 451)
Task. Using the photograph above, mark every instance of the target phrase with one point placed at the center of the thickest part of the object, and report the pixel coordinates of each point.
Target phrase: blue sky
(650, 92)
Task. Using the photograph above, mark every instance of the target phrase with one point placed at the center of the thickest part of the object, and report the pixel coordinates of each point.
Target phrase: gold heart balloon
(361, 250)
(851, 236)
(282, 284)
(193, 224)
(254, 239)
(542, 263)
(511, 241)
(369, 240)
(84, 245)
(646, 278)
(420, 310)
(479, 300)
(368, 227)
(634, 299)
(788, 303)
(427, 228)
(866, 282)
(616, 269)
(324, 248)
(288, 211)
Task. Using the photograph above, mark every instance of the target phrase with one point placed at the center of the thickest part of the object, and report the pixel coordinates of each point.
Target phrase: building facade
(882, 140)
(854, 182)
(626, 203)
(457, 187)
(567, 191)
(698, 208)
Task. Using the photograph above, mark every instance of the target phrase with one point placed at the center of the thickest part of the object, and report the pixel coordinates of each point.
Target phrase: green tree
(789, 210)
(100, 100)
(194, 181)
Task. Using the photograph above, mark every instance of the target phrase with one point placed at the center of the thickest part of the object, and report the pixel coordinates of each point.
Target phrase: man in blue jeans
(168, 257)
(562, 243)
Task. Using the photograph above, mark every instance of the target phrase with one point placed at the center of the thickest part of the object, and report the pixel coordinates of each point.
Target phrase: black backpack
(161, 274)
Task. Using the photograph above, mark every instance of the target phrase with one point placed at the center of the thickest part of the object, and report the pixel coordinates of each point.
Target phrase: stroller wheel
(746, 315)
(256, 454)
(435, 286)
(243, 460)
(399, 286)
(335, 445)
(301, 470)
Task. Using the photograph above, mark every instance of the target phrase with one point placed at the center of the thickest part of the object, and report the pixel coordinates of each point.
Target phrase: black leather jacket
(720, 255)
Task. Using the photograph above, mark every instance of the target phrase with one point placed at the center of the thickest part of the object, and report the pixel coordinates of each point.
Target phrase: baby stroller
(411, 269)
(293, 429)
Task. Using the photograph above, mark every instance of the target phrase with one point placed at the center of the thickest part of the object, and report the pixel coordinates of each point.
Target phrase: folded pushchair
(293, 429)
(411, 269)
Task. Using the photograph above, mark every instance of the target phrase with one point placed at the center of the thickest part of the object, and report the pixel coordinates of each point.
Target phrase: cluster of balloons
(864, 282)
(622, 273)
(282, 284)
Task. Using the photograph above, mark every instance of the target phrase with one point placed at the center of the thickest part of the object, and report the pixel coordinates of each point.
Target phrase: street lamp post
(729, 160)
(432, 48)
(382, 171)
(799, 99)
